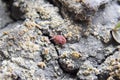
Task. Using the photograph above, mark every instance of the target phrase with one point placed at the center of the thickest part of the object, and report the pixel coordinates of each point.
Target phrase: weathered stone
(27, 52)
(79, 10)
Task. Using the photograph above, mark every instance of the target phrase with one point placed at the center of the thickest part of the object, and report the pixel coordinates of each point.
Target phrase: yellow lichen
(110, 78)
(76, 54)
(55, 75)
(41, 65)
(32, 38)
(10, 43)
(86, 73)
(9, 69)
(46, 51)
(39, 32)
(22, 32)
(5, 33)
(45, 39)
(64, 55)
(43, 12)
(69, 34)
(114, 68)
(31, 24)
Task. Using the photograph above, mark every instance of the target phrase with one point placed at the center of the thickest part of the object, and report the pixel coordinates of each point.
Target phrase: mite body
(59, 39)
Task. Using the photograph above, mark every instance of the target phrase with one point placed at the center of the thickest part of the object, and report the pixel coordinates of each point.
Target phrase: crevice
(3, 57)
(57, 5)
(102, 61)
(94, 60)
(114, 43)
(7, 24)
(51, 2)
(71, 73)
(111, 42)
(103, 76)
(46, 33)
(118, 2)
(116, 78)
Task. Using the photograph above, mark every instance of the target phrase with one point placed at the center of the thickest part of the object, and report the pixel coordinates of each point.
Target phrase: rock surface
(4, 15)
(28, 53)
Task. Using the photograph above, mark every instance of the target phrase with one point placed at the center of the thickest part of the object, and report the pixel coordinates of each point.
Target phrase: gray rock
(79, 10)
(28, 53)
(4, 15)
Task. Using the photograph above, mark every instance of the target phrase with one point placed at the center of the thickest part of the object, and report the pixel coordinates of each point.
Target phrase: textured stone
(28, 53)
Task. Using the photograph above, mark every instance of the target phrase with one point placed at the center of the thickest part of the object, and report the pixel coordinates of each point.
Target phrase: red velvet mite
(59, 39)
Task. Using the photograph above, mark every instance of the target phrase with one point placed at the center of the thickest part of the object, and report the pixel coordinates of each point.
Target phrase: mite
(59, 39)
